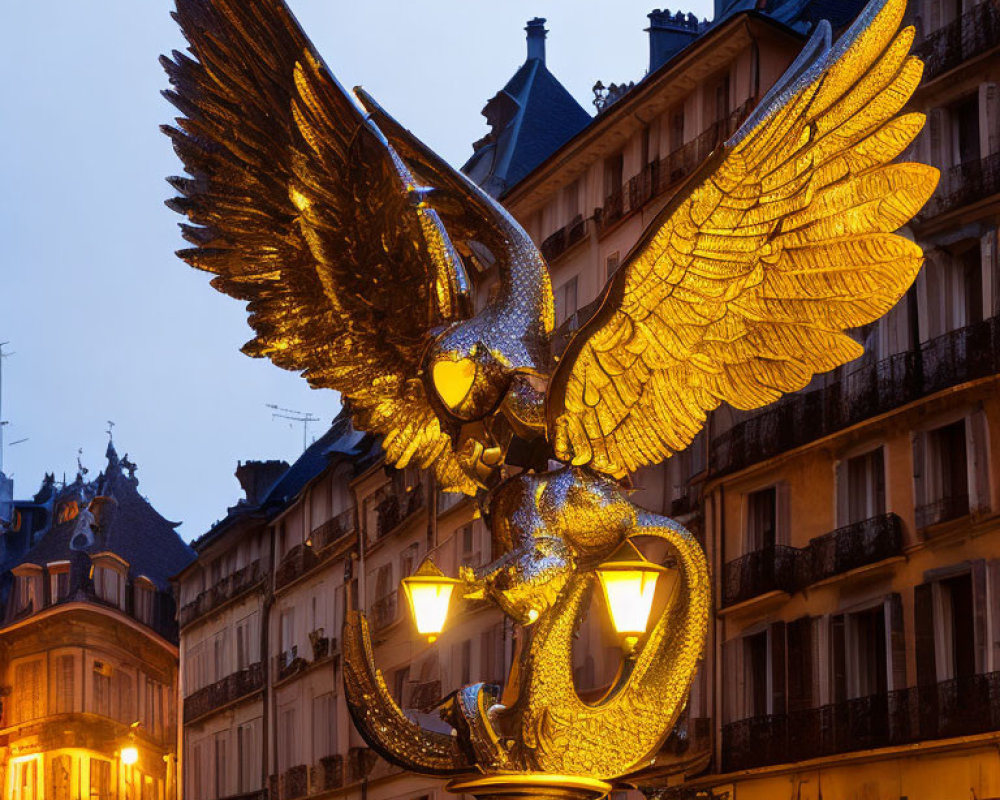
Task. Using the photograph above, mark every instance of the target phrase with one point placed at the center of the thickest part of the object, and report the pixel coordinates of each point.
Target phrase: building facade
(88, 643)
(851, 527)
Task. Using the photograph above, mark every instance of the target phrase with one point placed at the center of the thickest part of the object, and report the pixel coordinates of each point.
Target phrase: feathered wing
(745, 284)
(299, 206)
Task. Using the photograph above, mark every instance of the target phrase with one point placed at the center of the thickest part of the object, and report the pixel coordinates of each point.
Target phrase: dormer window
(58, 581)
(145, 592)
(109, 578)
(67, 511)
(27, 588)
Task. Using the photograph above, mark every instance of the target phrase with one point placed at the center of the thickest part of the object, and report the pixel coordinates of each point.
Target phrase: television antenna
(277, 412)
(3, 422)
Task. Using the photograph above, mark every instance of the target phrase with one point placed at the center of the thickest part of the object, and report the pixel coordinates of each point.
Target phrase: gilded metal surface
(353, 243)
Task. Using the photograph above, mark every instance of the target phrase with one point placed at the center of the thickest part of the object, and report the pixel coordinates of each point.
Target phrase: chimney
(669, 34)
(257, 477)
(536, 38)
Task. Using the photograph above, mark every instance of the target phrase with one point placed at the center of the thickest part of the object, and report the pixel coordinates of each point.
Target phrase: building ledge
(755, 605)
(864, 572)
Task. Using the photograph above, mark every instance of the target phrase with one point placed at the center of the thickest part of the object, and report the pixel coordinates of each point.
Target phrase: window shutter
(783, 526)
(936, 126)
(843, 495)
(800, 667)
(919, 470)
(897, 641)
(838, 660)
(732, 680)
(994, 610)
(989, 134)
(977, 445)
(776, 644)
(980, 604)
(923, 634)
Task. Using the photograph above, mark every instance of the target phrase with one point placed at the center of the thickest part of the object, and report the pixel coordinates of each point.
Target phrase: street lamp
(428, 593)
(629, 583)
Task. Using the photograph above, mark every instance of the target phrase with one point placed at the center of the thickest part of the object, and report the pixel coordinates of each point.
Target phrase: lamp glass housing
(428, 593)
(130, 755)
(629, 584)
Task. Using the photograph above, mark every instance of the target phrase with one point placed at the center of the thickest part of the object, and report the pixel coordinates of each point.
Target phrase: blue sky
(105, 322)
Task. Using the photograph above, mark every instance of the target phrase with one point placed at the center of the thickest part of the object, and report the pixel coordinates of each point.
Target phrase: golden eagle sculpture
(352, 244)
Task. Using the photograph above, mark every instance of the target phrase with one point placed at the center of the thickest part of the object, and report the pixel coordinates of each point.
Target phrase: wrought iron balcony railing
(942, 510)
(333, 529)
(384, 610)
(564, 238)
(965, 184)
(972, 34)
(766, 570)
(857, 545)
(327, 774)
(961, 707)
(228, 588)
(229, 689)
(868, 390)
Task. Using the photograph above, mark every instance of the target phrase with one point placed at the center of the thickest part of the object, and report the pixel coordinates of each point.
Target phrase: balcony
(853, 546)
(658, 177)
(963, 185)
(943, 510)
(294, 782)
(288, 663)
(327, 774)
(395, 507)
(564, 238)
(221, 693)
(774, 568)
(960, 707)
(965, 354)
(225, 590)
(332, 530)
(972, 34)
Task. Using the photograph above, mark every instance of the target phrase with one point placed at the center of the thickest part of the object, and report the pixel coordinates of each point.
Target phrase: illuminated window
(60, 776)
(109, 579)
(100, 779)
(28, 691)
(24, 779)
(67, 511)
(100, 689)
(65, 674)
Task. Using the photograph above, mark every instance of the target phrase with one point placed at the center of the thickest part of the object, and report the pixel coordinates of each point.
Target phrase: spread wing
(745, 284)
(299, 206)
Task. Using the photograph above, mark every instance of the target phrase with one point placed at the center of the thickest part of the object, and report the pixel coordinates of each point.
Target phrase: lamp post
(428, 593)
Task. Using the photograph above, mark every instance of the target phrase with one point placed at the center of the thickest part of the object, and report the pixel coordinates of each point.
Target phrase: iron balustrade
(229, 689)
(333, 529)
(564, 238)
(327, 774)
(960, 707)
(942, 510)
(228, 588)
(384, 610)
(773, 568)
(870, 389)
(856, 545)
(964, 184)
(295, 782)
(972, 34)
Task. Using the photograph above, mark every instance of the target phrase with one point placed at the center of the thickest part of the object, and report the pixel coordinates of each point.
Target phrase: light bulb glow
(130, 755)
(429, 601)
(629, 593)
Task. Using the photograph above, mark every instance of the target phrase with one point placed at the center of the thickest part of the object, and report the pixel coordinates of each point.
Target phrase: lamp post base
(530, 786)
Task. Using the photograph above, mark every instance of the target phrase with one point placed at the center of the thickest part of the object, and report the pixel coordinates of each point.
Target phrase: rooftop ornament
(321, 216)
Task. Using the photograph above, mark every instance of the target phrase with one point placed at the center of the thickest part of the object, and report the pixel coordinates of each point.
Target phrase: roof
(530, 118)
(112, 517)
(800, 15)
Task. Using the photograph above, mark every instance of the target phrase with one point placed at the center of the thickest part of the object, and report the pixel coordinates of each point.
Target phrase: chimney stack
(669, 34)
(536, 38)
(257, 477)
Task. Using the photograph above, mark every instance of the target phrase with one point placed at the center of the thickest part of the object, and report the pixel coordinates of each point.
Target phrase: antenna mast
(3, 422)
(277, 412)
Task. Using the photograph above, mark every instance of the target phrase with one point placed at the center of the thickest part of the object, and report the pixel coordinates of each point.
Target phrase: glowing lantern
(428, 592)
(130, 755)
(629, 583)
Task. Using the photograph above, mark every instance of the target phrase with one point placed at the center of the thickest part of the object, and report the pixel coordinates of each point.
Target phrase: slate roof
(123, 523)
(530, 118)
(799, 15)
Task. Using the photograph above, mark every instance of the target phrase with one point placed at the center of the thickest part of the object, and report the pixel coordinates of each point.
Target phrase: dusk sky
(104, 321)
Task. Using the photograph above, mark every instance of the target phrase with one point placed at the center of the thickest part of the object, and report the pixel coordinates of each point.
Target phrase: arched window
(145, 594)
(109, 578)
(67, 511)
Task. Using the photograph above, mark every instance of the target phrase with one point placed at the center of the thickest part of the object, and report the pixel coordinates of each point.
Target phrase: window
(248, 756)
(611, 264)
(60, 777)
(492, 655)
(59, 581)
(861, 487)
(566, 300)
(247, 644)
(572, 200)
(24, 779)
(722, 99)
(65, 666)
(965, 130)
(220, 660)
(676, 128)
(221, 782)
(614, 170)
(109, 584)
(756, 678)
(67, 511)
(400, 684)
(762, 519)
(324, 709)
(151, 710)
(957, 629)
(28, 697)
(26, 593)
(100, 779)
(465, 662)
(287, 752)
(943, 492)
(868, 651)
(287, 624)
(469, 553)
(870, 662)
(754, 674)
(125, 690)
(100, 688)
(408, 559)
(144, 594)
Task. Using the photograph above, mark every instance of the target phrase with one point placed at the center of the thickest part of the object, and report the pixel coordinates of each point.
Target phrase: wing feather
(745, 285)
(300, 207)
